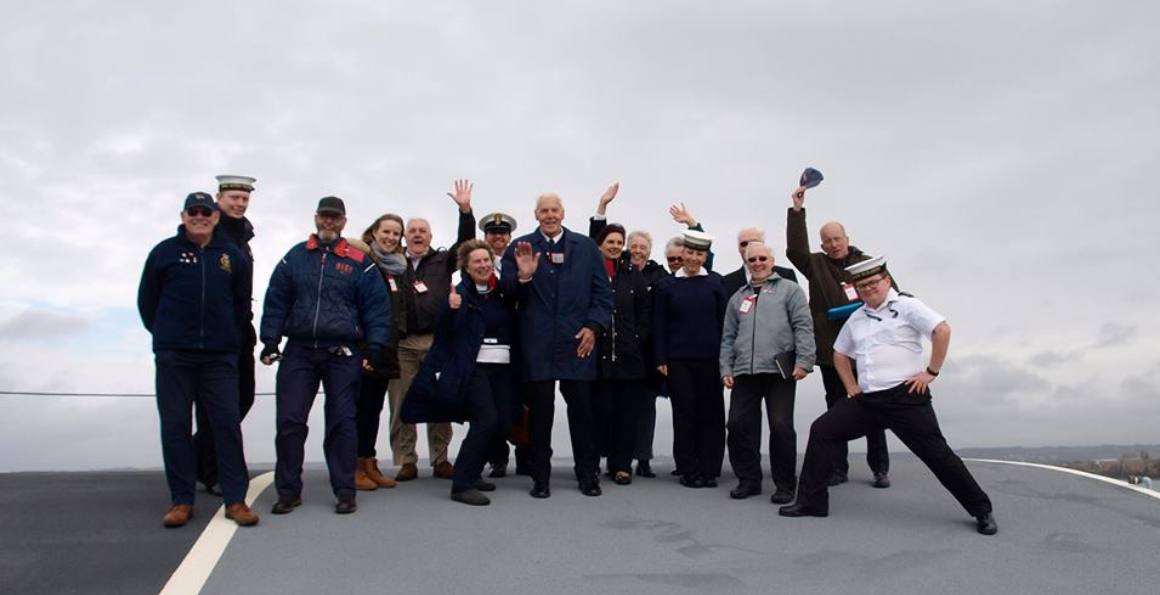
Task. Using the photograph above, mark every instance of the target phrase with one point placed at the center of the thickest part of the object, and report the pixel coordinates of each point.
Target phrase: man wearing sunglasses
(194, 299)
(832, 297)
(767, 346)
(892, 391)
(741, 277)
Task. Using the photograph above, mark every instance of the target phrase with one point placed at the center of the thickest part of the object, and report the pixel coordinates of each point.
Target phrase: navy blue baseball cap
(331, 205)
(200, 199)
(811, 177)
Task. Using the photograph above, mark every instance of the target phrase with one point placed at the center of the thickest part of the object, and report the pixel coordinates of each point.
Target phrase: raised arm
(681, 214)
(797, 243)
(462, 198)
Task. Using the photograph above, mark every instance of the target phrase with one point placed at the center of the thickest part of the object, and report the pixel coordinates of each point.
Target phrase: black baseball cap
(331, 205)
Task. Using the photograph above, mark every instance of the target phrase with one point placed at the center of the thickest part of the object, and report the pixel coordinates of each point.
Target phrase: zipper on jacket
(753, 336)
(318, 301)
(201, 308)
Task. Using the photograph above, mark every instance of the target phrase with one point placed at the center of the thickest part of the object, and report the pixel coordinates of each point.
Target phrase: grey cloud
(1053, 358)
(35, 325)
(1113, 334)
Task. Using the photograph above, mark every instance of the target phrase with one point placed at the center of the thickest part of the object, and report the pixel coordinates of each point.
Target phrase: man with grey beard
(326, 298)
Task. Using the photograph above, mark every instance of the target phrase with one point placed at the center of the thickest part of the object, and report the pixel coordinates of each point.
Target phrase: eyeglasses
(865, 285)
(199, 212)
(676, 259)
(753, 259)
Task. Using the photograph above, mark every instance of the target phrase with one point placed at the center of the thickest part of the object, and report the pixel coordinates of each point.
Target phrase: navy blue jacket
(439, 391)
(558, 301)
(195, 298)
(325, 295)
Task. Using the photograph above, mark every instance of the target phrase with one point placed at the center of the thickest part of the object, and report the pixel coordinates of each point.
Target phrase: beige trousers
(412, 351)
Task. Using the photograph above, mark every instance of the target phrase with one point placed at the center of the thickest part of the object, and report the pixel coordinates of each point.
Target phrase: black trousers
(541, 399)
(618, 405)
(646, 426)
(490, 400)
(877, 455)
(698, 400)
(911, 417)
(745, 428)
(203, 440)
(372, 393)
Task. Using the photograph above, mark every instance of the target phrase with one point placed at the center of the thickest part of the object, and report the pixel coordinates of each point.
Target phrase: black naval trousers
(911, 417)
(698, 400)
(203, 440)
(490, 400)
(541, 399)
(877, 455)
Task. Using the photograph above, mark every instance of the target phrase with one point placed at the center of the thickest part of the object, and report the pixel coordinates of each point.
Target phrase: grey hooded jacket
(776, 321)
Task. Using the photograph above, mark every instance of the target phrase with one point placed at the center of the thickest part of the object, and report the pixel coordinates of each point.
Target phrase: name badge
(394, 286)
(851, 294)
(420, 287)
(557, 258)
(747, 305)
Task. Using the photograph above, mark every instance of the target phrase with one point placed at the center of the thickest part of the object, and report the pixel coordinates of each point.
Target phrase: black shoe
(881, 480)
(541, 490)
(471, 497)
(744, 490)
(798, 510)
(676, 472)
(213, 490)
(346, 505)
(590, 489)
(781, 496)
(286, 505)
(485, 486)
(692, 480)
(838, 479)
(986, 524)
(643, 469)
(498, 472)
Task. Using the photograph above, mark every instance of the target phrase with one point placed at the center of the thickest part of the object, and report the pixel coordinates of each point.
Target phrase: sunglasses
(676, 259)
(753, 259)
(199, 212)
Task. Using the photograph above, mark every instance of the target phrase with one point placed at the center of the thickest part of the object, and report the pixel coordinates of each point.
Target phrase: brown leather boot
(361, 480)
(178, 515)
(372, 470)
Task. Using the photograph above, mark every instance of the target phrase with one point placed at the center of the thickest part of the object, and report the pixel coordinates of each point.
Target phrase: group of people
(484, 333)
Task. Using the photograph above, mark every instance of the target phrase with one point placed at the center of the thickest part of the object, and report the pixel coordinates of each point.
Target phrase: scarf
(391, 263)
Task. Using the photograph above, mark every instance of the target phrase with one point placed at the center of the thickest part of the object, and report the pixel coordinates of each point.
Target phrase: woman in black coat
(381, 241)
(622, 367)
(467, 375)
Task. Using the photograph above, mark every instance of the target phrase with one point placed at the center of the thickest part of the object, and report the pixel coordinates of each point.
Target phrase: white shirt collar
(701, 273)
(891, 297)
(555, 238)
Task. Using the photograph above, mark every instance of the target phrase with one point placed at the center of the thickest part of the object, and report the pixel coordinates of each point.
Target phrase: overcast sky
(1001, 155)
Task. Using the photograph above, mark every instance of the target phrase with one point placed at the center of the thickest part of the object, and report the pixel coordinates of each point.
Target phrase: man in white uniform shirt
(884, 339)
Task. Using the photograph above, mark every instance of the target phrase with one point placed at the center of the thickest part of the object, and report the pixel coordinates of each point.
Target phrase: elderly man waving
(767, 346)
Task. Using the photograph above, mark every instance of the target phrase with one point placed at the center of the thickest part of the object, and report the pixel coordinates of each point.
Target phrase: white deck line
(195, 569)
(1115, 482)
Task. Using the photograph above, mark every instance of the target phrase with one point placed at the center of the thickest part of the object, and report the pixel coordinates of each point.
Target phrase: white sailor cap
(867, 268)
(697, 240)
(232, 182)
(498, 223)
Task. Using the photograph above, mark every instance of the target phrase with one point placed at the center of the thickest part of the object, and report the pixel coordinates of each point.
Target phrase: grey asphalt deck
(1059, 533)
